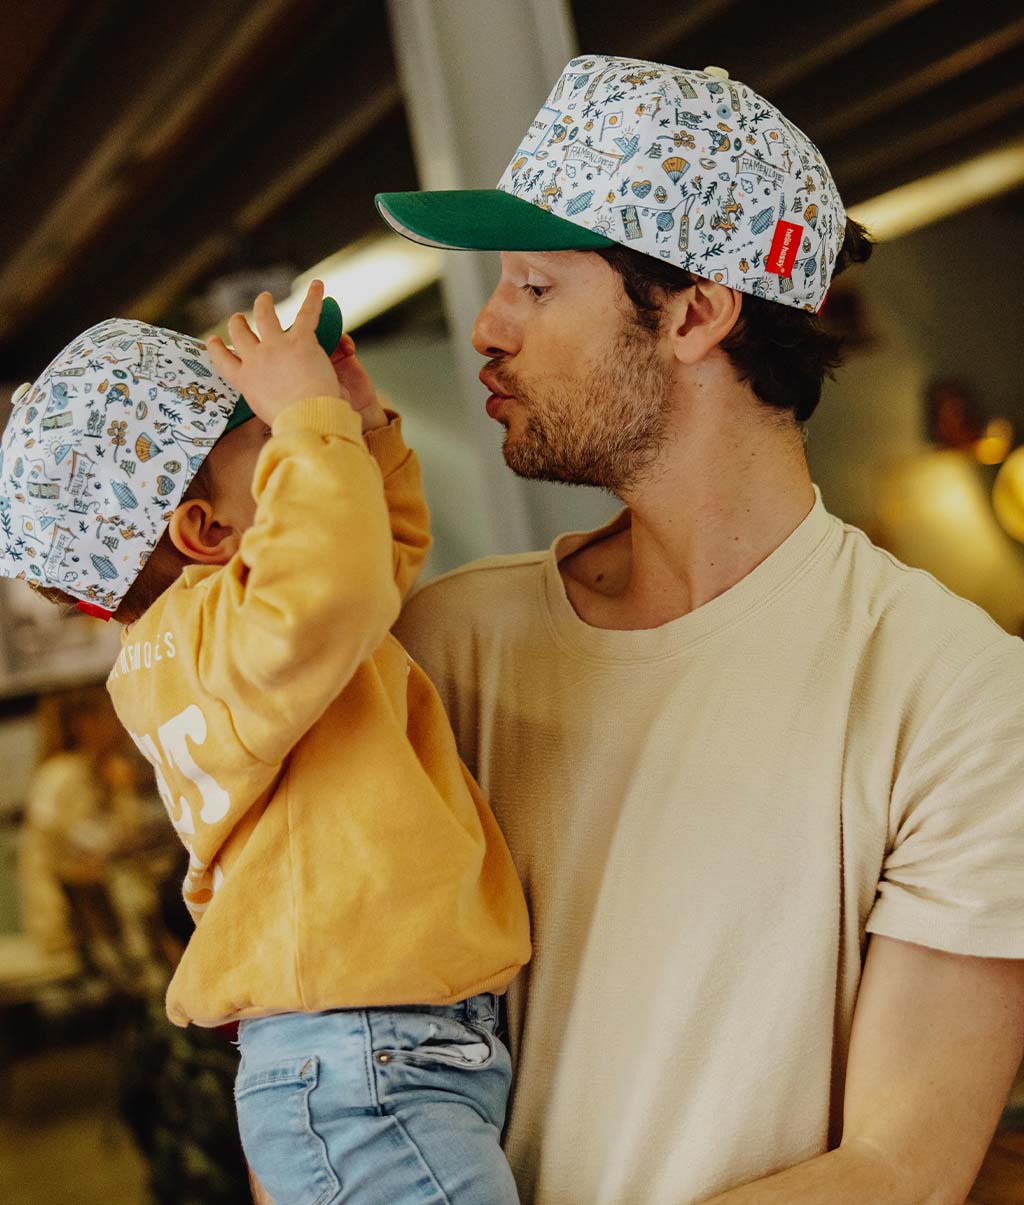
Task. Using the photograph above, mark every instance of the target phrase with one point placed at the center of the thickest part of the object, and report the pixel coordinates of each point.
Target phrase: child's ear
(197, 535)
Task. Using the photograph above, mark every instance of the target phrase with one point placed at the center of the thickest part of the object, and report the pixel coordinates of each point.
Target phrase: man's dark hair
(784, 352)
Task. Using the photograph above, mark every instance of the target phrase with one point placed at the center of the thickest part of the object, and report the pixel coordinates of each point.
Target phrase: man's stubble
(604, 427)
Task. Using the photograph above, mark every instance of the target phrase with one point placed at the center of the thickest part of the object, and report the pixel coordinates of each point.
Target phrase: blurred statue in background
(83, 809)
(100, 878)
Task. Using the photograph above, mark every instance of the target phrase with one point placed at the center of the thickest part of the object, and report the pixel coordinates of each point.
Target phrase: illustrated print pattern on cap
(98, 452)
(688, 166)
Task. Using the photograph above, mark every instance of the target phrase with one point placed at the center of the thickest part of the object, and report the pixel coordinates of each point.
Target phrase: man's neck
(710, 511)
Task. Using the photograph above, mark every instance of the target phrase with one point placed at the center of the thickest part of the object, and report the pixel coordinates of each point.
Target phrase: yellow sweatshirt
(341, 854)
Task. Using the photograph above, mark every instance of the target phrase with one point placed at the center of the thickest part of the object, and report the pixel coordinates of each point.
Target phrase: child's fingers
(222, 358)
(355, 380)
(242, 334)
(346, 347)
(267, 321)
(309, 312)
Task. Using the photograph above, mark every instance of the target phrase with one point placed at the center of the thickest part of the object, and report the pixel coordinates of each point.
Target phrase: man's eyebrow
(544, 260)
(548, 258)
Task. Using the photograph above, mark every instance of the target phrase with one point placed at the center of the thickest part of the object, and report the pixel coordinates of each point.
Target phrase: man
(764, 785)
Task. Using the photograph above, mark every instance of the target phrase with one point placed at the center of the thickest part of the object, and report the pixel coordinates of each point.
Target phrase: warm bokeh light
(995, 442)
(912, 206)
(1008, 494)
(934, 512)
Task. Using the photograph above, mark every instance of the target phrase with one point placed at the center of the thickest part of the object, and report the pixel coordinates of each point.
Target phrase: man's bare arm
(937, 1039)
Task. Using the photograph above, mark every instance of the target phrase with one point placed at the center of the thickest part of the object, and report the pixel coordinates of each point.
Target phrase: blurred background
(167, 161)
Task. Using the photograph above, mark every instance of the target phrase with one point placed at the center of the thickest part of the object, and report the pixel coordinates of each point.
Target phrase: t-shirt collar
(762, 583)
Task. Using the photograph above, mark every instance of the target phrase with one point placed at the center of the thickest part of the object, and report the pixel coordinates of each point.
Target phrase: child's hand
(279, 367)
(356, 383)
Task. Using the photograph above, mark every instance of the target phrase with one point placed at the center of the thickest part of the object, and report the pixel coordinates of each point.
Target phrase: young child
(356, 906)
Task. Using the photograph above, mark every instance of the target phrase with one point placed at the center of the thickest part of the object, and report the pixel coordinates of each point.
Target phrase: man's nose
(493, 332)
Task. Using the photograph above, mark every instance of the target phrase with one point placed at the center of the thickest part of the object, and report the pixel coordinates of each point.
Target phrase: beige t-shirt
(708, 818)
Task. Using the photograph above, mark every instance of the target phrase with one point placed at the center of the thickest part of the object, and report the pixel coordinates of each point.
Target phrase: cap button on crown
(717, 72)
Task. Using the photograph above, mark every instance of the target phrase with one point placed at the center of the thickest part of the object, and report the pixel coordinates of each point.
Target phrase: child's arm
(403, 489)
(407, 506)
(311, 593)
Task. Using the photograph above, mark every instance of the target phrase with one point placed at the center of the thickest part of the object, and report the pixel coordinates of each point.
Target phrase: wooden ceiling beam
(34, 113)
(210, 207)
(853, 168)
(784, 71)
(105, 178)
(768, 46)
(1008, 131)
(27, 59)
(680, 24)
(651, 28)
(168, 285)
(906, 87)
(334, 210)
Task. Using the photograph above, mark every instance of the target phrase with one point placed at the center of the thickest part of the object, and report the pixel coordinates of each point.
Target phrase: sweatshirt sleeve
(311, 592)
(407, 506)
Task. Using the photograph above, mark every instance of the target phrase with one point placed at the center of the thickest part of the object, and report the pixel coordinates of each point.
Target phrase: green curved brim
(328, 335)
(483, 219)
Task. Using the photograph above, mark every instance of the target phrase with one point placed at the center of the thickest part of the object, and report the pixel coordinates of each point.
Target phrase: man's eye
(536, 290)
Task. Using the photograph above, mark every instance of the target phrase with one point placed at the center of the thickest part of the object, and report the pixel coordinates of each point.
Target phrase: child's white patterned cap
(98, 452)
(690, 167)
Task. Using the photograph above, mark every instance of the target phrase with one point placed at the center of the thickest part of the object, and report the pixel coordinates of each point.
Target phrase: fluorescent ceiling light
(368, 278)
(365, 278)
(947, 192)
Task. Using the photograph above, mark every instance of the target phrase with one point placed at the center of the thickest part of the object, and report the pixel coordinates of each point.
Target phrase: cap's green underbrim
(242, 414)
(483, 219)
(328, 335)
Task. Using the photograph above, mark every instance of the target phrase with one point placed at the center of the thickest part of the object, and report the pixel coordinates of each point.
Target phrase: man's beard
(604, 427)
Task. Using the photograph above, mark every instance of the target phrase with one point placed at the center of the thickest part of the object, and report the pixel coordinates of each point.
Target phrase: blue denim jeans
(377, 1106)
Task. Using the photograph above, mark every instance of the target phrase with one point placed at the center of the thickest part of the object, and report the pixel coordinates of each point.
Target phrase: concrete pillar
(474, 73)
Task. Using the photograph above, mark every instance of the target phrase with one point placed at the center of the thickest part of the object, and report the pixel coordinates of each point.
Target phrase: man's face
(581, 388)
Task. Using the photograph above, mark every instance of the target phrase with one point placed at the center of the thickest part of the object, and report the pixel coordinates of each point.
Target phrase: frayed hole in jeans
(468, 1052)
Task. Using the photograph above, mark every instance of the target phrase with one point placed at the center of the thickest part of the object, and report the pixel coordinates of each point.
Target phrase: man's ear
(699, 318)
(197, 535)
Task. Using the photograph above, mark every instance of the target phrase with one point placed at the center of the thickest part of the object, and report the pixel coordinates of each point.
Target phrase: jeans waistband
(482, 1009)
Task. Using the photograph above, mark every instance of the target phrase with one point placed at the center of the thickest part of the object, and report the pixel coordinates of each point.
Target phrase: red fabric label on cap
(94, 611)
(785, 245)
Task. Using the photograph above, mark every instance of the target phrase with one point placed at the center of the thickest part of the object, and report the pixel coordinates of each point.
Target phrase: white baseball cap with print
(102, 446)
(690, 167)
(98, 452)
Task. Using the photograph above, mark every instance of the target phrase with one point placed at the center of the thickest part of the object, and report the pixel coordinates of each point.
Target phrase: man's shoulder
(492, 592)
(479, 579)
(920, 615)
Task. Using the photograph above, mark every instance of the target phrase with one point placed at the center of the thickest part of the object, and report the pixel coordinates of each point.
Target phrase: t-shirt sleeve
(953, 876)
